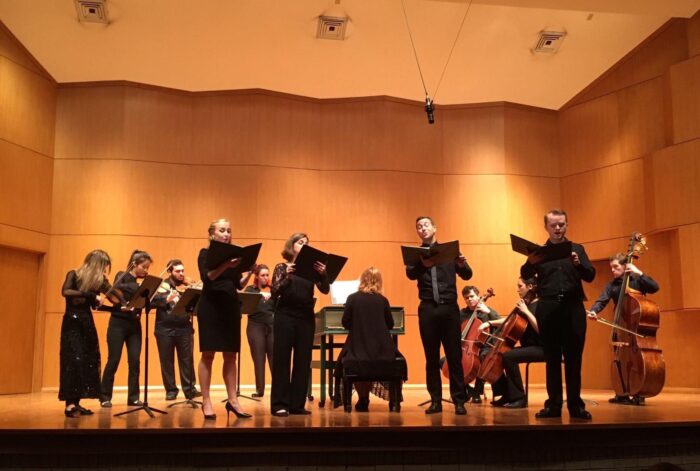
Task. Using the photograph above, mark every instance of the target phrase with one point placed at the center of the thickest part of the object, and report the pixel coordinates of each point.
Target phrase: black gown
(219, 310)
(80, 350)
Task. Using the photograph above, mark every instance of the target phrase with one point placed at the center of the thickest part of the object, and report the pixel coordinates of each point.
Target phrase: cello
(470, 344)
(638, 367)
(505, 338)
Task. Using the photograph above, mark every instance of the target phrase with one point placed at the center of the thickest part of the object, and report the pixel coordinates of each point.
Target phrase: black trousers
(120, 332)
(439, 324)
(167, 346)
(260, 340)
(510, 385)
(563, 333)
(293, 335)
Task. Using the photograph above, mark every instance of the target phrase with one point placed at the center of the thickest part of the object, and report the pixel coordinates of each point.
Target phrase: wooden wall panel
(588, 135)
(256, 129)
(676, 171)
(605, 203)
(649, 60)
(26, 188)
(19, 270)
(528, 199)
(27, 108)
(685, 99)
(641, 119)
(689, 262)
(90, 123)
(12, 49)
(531, 142)
(693, 32)
(680, 352)
(386, 135)
(473, 140)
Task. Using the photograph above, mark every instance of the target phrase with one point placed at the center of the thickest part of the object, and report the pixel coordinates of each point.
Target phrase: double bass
(638, 367)
(503, 340)
(470, 344)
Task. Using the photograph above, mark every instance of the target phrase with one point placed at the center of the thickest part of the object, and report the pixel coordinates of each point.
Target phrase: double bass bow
(470, 343)
(638, 367)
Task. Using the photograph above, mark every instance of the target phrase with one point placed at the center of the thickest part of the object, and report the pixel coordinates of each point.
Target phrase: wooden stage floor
(32, 428)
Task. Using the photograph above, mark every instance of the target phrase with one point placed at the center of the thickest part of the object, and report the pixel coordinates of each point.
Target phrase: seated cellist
(639, 282)
(510, 385)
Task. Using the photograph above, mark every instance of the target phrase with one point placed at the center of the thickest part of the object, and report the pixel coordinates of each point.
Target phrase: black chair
(392, 373)
(527, 377)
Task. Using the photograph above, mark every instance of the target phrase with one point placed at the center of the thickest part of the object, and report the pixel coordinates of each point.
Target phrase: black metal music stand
(145, 407)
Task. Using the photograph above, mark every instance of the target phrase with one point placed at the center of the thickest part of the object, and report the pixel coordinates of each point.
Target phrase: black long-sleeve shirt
(446, 274)
(265, 310)
(128, 286)
(293, 294)
(561, 277)
(166, 323)
(645, 284)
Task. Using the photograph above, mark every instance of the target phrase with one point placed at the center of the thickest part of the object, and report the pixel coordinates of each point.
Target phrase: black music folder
(540, 253)
(219, 252)
(148, 287)
(249, 301)
(438, 253)
(187, 303)
(304, 264)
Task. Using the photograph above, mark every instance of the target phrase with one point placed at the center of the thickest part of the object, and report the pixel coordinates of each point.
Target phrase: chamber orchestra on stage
(547, 324)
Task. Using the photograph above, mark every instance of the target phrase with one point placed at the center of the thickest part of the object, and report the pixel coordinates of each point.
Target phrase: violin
(503, 340)
(111, 293)
(470, 343)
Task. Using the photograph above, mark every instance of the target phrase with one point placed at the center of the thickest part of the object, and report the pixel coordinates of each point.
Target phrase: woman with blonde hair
(219, 320)
(369, 349)
(80, 350)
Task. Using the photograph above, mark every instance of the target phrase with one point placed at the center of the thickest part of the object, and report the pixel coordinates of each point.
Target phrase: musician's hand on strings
(522, 307)
(633, 270)
(481, 307)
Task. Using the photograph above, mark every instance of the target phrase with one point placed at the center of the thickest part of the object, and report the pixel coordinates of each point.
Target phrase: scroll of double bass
(638, 367)
(470, 344)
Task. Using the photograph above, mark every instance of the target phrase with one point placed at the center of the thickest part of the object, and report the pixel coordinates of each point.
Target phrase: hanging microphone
(429, 108)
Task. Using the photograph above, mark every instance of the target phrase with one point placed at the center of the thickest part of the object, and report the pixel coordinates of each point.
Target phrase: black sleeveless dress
(219, 310)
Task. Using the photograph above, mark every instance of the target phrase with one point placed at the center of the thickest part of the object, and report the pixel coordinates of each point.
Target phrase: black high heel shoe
(72, 413)
(208, 416)
(239, 414)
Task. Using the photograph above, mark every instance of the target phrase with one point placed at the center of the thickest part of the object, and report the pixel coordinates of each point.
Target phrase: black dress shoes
(435, 407)
(548, 413)
(460, 409)
(620, 400)
(394, 407)
(281, 413)
(519, 404)
(299, 412)
(134, 403)
(362, 405)
(171, 396)
(580, 413)
(500, 402)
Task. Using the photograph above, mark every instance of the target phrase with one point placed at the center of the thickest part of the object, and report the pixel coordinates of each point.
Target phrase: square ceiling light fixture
(92, 11)
(549, 42)
(331, 27)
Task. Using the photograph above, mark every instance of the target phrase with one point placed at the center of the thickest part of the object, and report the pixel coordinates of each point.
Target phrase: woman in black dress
(369, 349)
(125, 329)
(80, 350)
(219, 320)
(294, 330)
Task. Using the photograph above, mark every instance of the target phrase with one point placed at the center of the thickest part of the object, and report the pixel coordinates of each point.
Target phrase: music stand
(185, 307)
(249, 301)
(142, 298)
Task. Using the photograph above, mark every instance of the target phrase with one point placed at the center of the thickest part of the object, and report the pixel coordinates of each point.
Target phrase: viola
(502, 341)
(470, 343)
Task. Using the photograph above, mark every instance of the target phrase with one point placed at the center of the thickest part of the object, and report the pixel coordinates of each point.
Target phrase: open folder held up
(540, 253)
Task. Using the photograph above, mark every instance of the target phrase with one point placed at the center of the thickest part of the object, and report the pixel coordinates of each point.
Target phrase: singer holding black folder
(125, 328)
(294, 327)
(562, 316)
(438, 318)
(219, 320)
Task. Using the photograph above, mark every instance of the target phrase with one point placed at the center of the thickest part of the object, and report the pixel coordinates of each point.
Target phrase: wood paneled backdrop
(122, 166)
